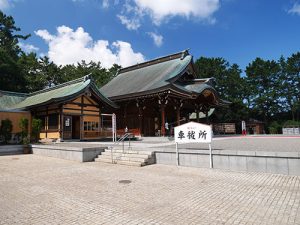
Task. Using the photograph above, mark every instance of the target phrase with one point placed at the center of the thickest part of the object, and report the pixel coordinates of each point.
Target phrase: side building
(70, 110)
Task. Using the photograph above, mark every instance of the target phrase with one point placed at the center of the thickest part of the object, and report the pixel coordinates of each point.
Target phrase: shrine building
(148, 99)
(160, 92)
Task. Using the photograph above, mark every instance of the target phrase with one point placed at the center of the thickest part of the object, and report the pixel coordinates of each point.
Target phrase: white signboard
(193, 133)
(114, 127)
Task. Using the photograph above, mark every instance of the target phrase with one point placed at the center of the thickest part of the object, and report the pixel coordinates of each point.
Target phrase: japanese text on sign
(193, 132)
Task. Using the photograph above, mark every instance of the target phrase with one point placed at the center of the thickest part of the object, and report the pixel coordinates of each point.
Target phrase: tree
(10, 72)
(263, 78)
(50, 72)
(6, 130)
(292, 84)
(229, 84)
(100, 75)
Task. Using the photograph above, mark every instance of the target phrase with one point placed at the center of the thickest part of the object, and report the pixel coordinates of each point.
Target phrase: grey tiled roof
(54, 94)
(148, 76)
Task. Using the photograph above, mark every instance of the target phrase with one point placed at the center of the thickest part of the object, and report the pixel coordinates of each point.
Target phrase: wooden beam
(81, 119)
(163, 130)
(46, 122)
(62, 123)
(141, 120)
(178, 115)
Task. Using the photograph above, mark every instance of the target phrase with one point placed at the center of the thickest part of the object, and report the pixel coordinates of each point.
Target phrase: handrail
(122, 139)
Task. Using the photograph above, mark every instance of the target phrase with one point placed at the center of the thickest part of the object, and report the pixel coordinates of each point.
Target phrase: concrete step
(121, 162)
(142, 152)
(131, 155)
(123, 158)
(126, 157)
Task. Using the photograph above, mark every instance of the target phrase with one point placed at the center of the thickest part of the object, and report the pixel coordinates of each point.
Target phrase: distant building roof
(173, 73)
(151, 75)
(55, 94)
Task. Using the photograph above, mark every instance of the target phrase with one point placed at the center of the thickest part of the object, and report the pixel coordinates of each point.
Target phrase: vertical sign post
(114, 127)
(193, 133)
(244, 132)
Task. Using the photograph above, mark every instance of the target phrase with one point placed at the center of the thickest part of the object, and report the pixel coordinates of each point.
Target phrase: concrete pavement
(42, 190)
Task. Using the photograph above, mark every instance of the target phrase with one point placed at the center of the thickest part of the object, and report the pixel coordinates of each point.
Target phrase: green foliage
(10, 73)
(23, 124)
(291, 123)
(6, 130)
(263, 79)
(36, 128)
(100, 75)
(275, 128)
(230, 85)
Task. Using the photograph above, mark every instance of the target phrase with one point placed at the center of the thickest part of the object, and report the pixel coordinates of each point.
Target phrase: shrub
(6, 130)
(291, 123)
(23, 124)
(275, 128)
(36, 128)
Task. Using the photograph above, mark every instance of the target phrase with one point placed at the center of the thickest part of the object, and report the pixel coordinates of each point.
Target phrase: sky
(127, 32)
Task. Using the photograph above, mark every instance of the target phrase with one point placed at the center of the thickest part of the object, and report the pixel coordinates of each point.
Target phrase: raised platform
(270, 154)
(75, 152)
(11, 149)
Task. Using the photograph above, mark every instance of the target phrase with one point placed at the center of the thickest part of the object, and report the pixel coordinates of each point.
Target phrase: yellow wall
(15, 118)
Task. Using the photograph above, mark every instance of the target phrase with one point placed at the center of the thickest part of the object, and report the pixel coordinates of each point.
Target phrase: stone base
(80, 154)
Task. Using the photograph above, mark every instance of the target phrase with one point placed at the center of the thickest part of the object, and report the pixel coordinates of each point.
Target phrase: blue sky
(131, 31)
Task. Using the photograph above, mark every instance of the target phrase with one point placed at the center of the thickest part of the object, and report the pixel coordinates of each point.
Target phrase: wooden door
(67, 127)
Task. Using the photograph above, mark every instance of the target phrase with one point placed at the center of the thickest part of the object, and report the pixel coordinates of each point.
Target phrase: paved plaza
(42, 190)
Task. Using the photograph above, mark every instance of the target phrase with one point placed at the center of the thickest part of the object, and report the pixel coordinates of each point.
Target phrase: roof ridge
(78, 80)
(180, 55)
(21, 94)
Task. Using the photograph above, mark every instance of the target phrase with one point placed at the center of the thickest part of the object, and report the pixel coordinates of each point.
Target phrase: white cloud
(105, 4)
(4, 4)
(295, 9)
(157, 38)
(28, 47)
(69, 47)
(131, 24)
(161, 11)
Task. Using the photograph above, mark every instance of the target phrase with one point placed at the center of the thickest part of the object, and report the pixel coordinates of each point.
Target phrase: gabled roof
(9, 99)
(55, 94)
(148, 76)
(173, 74)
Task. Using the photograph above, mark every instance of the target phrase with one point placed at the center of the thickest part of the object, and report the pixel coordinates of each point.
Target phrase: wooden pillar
(46, 122)
(125, 117)
(206, 114)
(81, 120)
(61, 123)
(197, 115)
(178, 115)
(163, 130)
(99, 125)
(141, 120)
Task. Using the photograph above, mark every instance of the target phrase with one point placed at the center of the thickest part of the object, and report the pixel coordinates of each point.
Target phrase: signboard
(193, 133)
(244, 128)
(114, 127)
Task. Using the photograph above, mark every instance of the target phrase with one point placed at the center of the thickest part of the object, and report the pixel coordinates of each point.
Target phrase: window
(43, 119)
(53, 121)
(91, 126)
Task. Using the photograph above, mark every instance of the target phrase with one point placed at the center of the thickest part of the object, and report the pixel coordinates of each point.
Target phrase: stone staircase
(129, 156)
